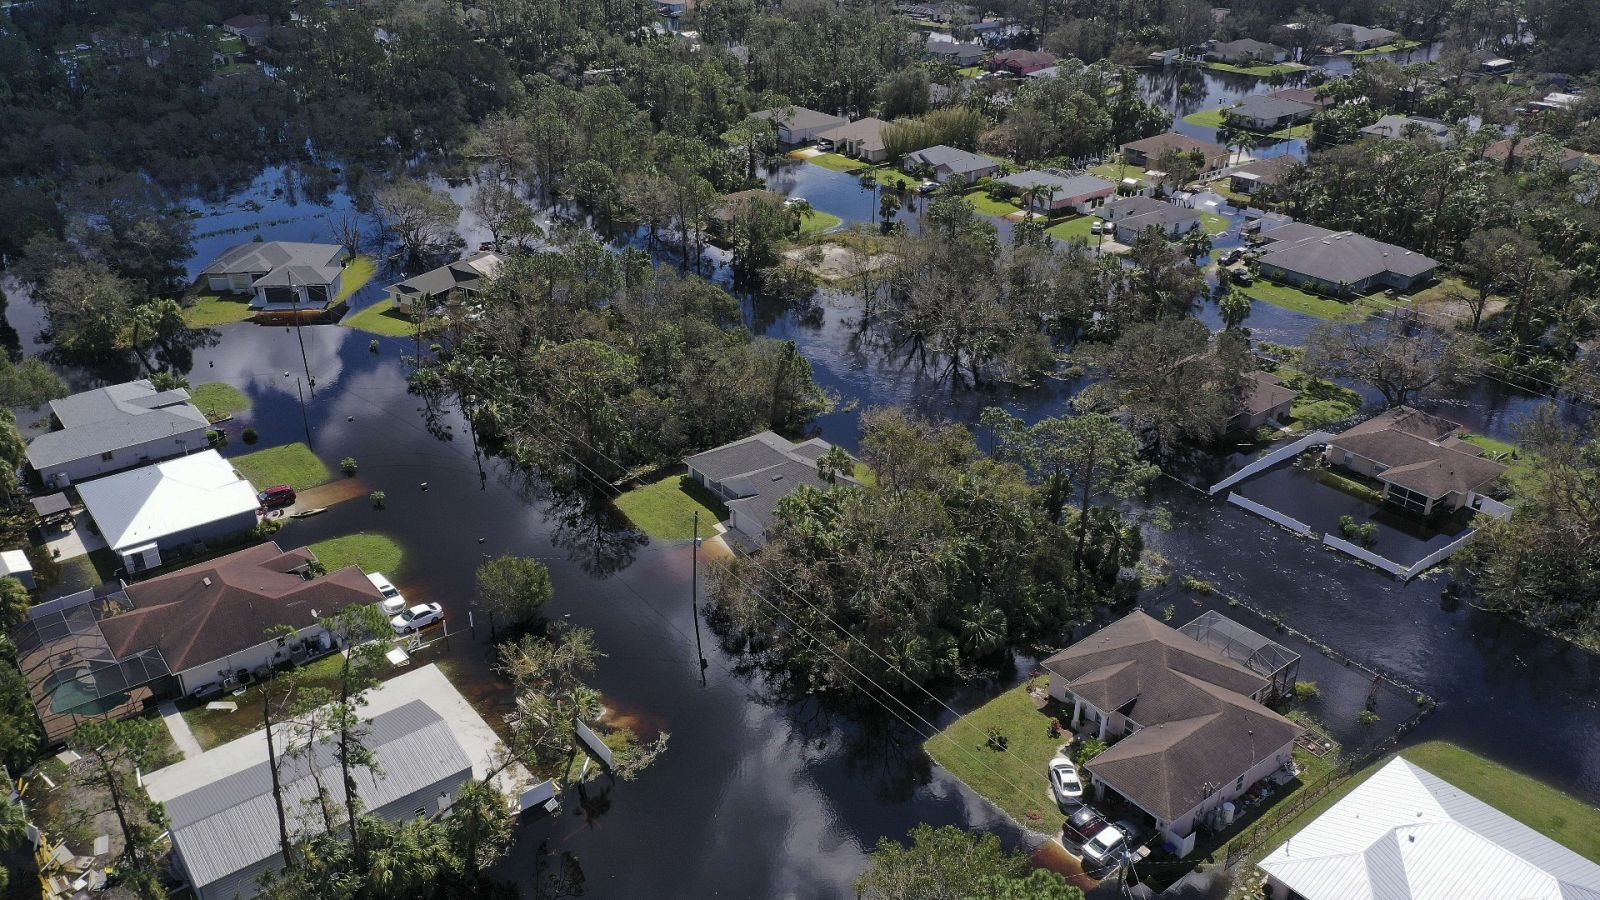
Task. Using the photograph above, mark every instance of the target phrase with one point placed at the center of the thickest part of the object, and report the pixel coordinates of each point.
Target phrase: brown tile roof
(226, 605)
(1199, 727)
(1265, 392)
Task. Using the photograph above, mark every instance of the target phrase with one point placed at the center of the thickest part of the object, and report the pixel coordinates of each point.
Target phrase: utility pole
(694, 599)
(303, 420)
(299, 337)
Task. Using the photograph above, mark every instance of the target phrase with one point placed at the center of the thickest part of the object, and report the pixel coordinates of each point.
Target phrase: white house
(113, 428)
(280, 275)
(1407, 834)
(148, 515)
(1187, 731)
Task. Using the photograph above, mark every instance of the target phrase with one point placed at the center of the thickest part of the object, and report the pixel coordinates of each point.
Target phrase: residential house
(280, 275)
(1265, 113)
(466, 276)
(1127, 207)
(960, 53)
(1360, 37)
(1340, 263)
(673, 9)
(1407, 834)
(1144, 153)
(1393, 127)
(426, 742)
(1421, 461)
(734, 205)
(862, 139)
(1524, 151)
(1186, 724)
(1266, 400)
(752, 474)
(150, 514)
(1079, 193)
(1171, 220)
(1308, 96)
(949, 161)
(1555, 100)
(252, 29)
(1256, 174)
(209, 621)
(1021, 62)
(1245, 51)
(113, 428)
(799, 125)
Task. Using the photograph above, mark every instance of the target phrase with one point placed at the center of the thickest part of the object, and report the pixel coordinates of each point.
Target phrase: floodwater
(762, 795)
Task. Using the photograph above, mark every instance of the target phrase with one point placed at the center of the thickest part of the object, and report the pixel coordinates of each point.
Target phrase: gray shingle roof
(1264, 107)
(774, 484)
(465, 274)
(113, 418)
(957, 161)
(868, 131)
(1163, 215)
(1266, 391)
(1246, 47)
(762, 469)
(1394, 127)
(1339, 257)
(800, 118)
(262, 257)
(231, 824)
(741, 457)
(1065, 185)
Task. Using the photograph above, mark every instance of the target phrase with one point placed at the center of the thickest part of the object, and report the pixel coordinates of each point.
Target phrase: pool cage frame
(62, 642)
(1256, 652)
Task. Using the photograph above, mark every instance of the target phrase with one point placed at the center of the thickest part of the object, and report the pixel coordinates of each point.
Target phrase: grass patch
(1293, 132)
(1075, 227)
(90, 570)
(1296, 300)
(892, 177)
(816, 221)
(211, 310)
(356, 275)
(215, 727)
(836, 162)
(1320, 402)
(864, 474)
(1266, 71)
(988, 206)
(372, 552)
(382, 318)
(1012, 779)
(291, 464)
(1396, 47)
(1519, 467)
(218, 400)
(665, 510)
(1207, 118)
(1213, 223)
(970, 71)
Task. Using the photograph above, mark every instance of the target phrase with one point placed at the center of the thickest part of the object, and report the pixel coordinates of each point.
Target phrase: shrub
(250, 436)
(1367, 718)
(1199, 586)
(372, 346)
(997, 740)
(348, 464)
(1306, 690)
(377, 498)
(1087, 749)
(1168, 611)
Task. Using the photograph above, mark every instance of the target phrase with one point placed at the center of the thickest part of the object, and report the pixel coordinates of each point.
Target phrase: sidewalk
(181, 735)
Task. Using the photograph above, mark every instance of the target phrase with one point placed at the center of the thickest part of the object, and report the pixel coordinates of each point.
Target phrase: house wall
(171, 545)
(1278, 273)
(746, 526)
(262, 654)
(130, 457)
(313, 296)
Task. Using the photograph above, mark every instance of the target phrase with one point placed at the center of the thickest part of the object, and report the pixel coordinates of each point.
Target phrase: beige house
(862, 139)
(1267, 399)
(1419, 459)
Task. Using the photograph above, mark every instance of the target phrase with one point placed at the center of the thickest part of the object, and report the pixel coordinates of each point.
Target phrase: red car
(276, 497)
(1083, 824)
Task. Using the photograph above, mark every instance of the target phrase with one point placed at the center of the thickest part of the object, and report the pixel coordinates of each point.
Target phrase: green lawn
(892, 177)
(372, 552)
(1292, 298)
(1558, 816)
(215, 727)
(836, 162)
(218, 400)
(1402, 44)
(988, 206)
(1519, 466)
(665, 510)
(1320, 402)
(1258, 71)
(1075, 227)
(230, 43)
(1293, 132)
(210, 310)
(1012, 779)
(1116, 170)
(864, 474)
(356, 275)
(816, 221)
(1207, 118)
(291, 464)
(381, 318)
(970, 71)
(1213, 223)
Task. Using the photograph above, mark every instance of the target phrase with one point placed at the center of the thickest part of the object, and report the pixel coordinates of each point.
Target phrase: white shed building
(170, 506)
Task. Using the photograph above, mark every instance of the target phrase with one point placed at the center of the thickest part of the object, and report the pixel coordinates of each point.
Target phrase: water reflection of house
(1183, 712)
(752, 474)
(1423, 465)
(280, 275)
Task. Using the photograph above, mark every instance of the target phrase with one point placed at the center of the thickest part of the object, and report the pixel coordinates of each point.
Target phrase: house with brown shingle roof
(209, 621)
(1266, 399)
(1186, 725)
(1421, 461)
(1145, 152)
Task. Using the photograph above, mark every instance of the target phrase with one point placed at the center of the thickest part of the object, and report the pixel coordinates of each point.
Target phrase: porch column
(1104, 720)
(1077, 709)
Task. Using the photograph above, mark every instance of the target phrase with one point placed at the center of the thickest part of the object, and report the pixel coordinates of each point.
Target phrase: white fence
(1437, 556)
(1294, 525)
(61, 604)
(1492, 507)
(1271, 459)
(1388, 565)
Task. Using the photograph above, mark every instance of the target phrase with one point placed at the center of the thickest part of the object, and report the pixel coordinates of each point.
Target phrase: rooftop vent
(207, 581)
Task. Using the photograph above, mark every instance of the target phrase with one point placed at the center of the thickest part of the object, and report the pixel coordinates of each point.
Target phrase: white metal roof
(1406, 834)
(13, 562)
(149, 503)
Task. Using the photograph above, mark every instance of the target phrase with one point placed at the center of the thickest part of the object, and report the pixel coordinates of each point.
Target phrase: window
(1239, 785)
(106, 456)
(422, 811)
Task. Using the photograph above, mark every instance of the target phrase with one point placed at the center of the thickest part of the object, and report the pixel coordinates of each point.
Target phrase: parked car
(1104, 850)
(1082, 825)
(393, 602)
(1097, 227)
(927, 187)
(276, 497)
(1064, 782)
(1241, 275)
(417, 618)
(825, 145)
(1134, 836)
(1233, 256)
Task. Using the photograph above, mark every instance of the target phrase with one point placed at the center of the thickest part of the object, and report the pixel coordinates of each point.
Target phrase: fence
(1492, 507)
(1295, 525)
(1343, 546)
(1437, 556)
(1271, 459)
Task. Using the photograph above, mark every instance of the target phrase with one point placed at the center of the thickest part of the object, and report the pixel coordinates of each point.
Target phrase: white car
(393, 601)
(927, 187)
(1104, 850)
(1064, 782)
(1096, 227)
(417, 618)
